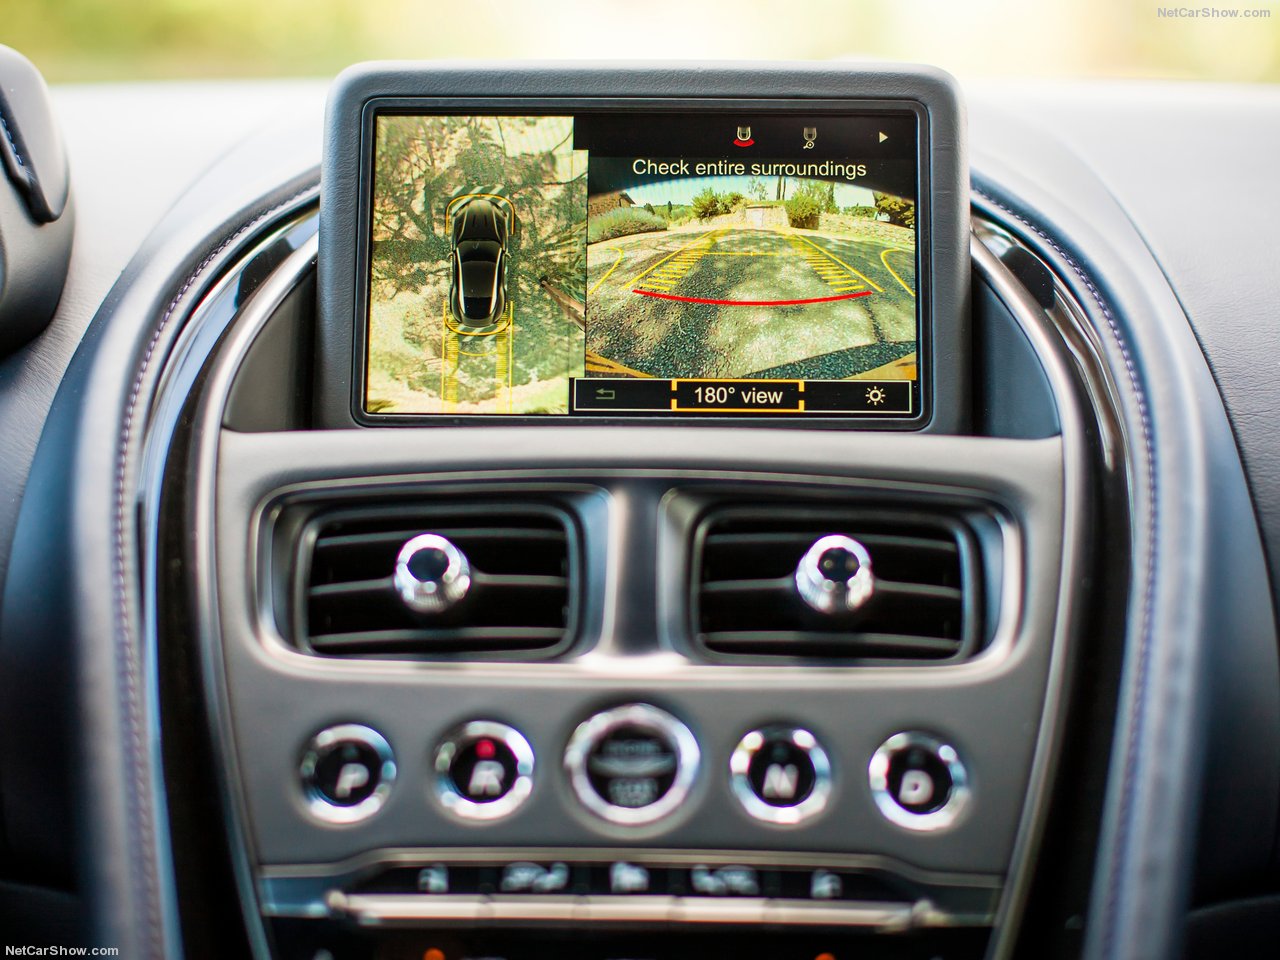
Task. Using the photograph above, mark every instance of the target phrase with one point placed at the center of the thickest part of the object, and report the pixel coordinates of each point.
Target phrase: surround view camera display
(632, 264)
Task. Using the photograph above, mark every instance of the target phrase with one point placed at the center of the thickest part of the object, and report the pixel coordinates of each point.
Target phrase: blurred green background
(86, 40)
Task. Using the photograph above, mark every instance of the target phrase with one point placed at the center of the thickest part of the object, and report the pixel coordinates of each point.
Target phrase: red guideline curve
(752, 303)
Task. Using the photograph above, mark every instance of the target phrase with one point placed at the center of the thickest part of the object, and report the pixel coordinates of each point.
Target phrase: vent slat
(785, 586)
(462, 533)
(886, 589)
(392, 641)
(512, 581)
(746, 603)
(353, 588)
(482, 581)
(777, 585)
(799, 643)
(803, 540)
(522, 595)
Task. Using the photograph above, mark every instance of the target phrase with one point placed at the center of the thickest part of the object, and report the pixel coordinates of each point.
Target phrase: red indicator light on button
(485, 749)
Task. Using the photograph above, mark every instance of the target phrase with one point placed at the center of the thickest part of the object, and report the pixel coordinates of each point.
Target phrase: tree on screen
(420, 165)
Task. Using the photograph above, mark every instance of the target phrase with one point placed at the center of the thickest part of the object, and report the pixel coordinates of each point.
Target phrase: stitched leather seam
(8, 135)
(1144, 633)
(141, 814)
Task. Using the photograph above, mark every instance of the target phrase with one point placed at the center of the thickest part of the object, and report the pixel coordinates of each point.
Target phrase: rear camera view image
(615, 264)
(751, 277)
(477, 286)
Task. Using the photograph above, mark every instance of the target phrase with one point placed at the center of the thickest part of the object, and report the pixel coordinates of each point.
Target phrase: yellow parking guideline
(608, 273)
(467, 333)
(595, 363)
(672, 256)
(827, 253)
(449, 344)
(884, 258)
(451, 354)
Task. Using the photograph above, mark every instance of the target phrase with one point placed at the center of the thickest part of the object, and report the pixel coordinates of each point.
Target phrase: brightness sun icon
(875, 396)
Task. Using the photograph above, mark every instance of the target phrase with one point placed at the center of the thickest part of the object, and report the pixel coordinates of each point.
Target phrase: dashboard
(644, 511)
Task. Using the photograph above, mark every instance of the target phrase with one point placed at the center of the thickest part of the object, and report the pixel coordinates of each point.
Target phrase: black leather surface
(36, 217)
(30, 141)
(134, 150)
(1199, 589)
(72, 579)
(1170, 154)
(1194, 168)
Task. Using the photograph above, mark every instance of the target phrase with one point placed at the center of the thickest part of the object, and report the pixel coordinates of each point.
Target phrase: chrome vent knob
(431, 574)
(834, 575)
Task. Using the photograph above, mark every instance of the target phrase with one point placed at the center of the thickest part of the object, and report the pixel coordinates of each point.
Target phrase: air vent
(436, 580)
(836, 585)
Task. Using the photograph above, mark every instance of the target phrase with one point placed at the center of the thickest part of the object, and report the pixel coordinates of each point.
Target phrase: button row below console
(634, 765)
(635, 879)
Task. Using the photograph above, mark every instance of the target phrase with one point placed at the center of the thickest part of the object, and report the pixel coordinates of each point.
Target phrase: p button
(347, 773)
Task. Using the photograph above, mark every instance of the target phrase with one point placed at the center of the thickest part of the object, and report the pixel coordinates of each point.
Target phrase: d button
(918, 781)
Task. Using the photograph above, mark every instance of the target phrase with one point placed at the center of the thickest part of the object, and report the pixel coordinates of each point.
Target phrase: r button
(484, 770)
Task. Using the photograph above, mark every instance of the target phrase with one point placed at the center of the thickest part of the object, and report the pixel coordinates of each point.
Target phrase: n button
(484, 770)
(781, 775)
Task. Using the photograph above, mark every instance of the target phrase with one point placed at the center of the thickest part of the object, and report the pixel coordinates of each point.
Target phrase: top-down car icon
(480, 227)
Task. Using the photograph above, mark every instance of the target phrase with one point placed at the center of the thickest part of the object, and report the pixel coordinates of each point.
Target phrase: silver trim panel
(384, 910)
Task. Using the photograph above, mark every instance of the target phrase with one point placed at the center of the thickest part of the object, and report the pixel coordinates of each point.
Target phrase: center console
(644, 577)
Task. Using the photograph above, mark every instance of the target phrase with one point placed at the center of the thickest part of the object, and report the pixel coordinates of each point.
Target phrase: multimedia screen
(630, 264)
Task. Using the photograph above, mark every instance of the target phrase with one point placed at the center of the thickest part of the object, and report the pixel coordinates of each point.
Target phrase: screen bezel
(923, 393)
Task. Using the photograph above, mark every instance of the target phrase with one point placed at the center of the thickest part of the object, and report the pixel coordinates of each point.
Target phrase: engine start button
(632, 765)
